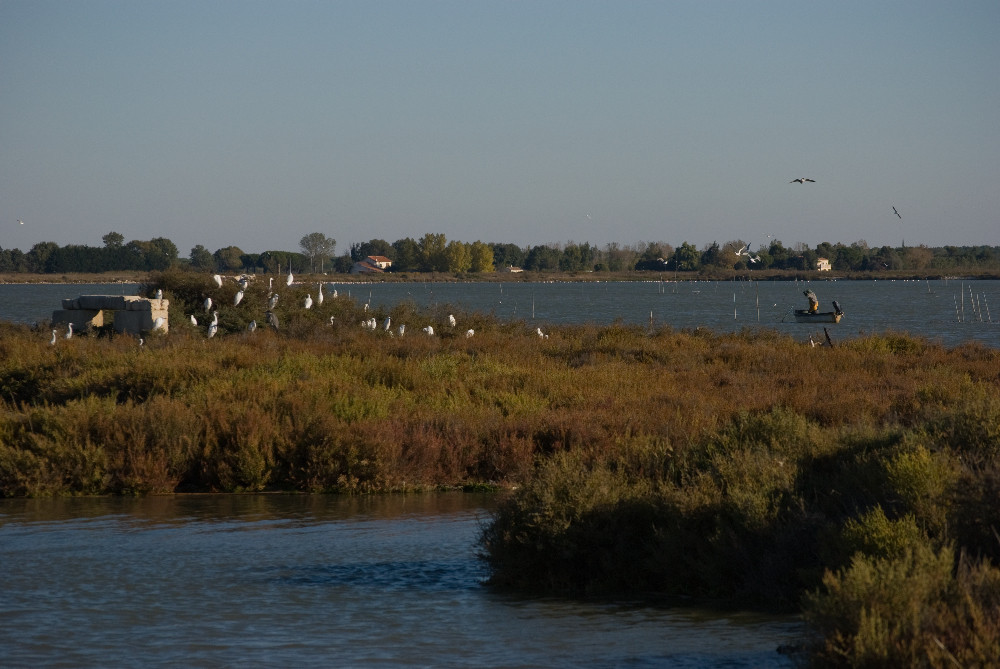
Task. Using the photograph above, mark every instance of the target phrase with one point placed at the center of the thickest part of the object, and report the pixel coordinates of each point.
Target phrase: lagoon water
(313, 580)
(947, 311)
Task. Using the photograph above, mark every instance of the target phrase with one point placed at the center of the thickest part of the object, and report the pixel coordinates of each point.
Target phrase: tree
(433, 253)
(317, 247)
(542, 257)
(482, 257)
(407, 255)
(39, 256)
(685, 258)
(508, 255)
(374, 247)
(229, 258)
(201, 258)
(113, 240)
(459, 256)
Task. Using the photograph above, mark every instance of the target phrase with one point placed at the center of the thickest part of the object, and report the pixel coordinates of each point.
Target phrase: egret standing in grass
(309, 302)
(238, 297)
(218, 280)
(160, 323)
(53, 342)
(252, 326)
(208, 304)
(272, 320)
(319, 295)
(290, 278)
(69, 332)
(451, 320)
(273, 301)
(194, 321)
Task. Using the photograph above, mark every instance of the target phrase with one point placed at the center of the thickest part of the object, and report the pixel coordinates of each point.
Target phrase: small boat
(806, 316)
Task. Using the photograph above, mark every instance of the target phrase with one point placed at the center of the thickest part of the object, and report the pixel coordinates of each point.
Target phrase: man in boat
(813, 301)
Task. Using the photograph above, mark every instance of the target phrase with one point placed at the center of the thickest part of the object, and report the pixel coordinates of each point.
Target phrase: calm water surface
(279, 580)
(948, 311)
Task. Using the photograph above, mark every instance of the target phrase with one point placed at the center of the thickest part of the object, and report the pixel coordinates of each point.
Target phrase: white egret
(69, 332)
(539, 331)
(243, 282)
(334, 293)
(289, 279)
(273, 301)
(319, 295)
(308, 302)
(429, 330)
(401, 329)
(208, 304)
(142, 342)
(451, 320)
(469, 333)
(212, 329)
(237, 297)
(159, 293)
(194, 321)
(218, 280)
(270, 284)
(333, 320)
(159, 323)
(215, 317)
(387, 323)
(53, 338)
(252, 326)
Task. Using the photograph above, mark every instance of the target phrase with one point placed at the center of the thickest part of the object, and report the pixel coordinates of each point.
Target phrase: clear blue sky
(255, 123)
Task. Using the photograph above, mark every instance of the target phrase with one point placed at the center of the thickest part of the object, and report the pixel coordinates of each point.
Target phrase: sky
(253, 123)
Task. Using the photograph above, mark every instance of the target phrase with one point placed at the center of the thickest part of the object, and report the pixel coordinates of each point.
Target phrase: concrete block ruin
(127, 313)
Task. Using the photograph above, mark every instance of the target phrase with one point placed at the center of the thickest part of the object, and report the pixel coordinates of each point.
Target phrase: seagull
(802, 180)
(20, 221)
(237, 297)
(218, 280)
(897, 213)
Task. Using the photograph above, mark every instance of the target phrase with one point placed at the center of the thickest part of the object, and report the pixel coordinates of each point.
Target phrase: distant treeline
(434, 253)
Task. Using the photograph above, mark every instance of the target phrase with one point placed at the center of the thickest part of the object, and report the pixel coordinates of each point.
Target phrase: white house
(823, 265)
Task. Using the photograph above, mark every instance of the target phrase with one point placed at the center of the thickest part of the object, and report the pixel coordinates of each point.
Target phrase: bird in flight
(897, 213)
(802, 180)
(20, 221)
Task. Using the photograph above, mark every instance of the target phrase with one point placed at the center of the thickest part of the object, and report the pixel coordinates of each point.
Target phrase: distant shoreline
(532, 277)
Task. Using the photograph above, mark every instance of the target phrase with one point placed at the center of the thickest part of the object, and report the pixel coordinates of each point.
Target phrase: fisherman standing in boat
(813, 301)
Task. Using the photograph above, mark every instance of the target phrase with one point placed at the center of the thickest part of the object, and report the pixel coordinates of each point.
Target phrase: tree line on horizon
(433, 252)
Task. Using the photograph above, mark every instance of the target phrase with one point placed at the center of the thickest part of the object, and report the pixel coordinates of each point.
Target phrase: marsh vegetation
(858, 483)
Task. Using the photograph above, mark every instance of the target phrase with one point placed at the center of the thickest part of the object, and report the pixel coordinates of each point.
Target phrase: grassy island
(858, 483)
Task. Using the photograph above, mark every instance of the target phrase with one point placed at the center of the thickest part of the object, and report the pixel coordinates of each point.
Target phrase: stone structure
(128, 313)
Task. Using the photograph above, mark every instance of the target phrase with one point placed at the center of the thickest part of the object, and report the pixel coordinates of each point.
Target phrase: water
(948, 311)
(282, 580)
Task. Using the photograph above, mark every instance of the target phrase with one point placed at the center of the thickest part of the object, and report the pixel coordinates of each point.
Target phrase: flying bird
(20, 221)
(897, 213)
(802, 180)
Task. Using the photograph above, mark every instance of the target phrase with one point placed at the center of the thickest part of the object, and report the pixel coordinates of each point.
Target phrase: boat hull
(803, 316)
